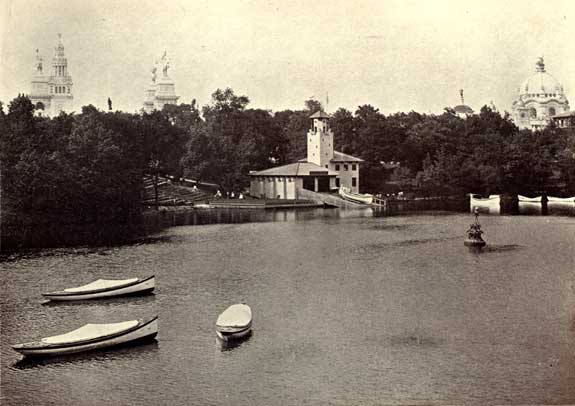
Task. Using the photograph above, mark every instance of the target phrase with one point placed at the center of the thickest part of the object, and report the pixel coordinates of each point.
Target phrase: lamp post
(154, 165)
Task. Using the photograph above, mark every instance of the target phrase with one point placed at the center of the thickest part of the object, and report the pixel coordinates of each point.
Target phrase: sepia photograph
(287, 202)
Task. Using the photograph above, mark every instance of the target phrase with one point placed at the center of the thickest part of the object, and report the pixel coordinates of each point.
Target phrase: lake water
(348, 309)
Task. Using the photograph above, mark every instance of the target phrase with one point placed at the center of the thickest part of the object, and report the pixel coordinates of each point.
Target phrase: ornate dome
(463, 109)
(541, 83)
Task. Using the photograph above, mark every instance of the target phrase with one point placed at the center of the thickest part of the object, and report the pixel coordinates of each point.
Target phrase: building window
(353, 167)
(68, 90)
(354, 182)
(337, 182)
(532, 113)
(337, 167)
(326, 167)
(345, 167)
(551, 111)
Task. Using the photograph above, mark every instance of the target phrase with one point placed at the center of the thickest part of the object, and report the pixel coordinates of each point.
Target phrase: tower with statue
(162, 90)
(52, 92)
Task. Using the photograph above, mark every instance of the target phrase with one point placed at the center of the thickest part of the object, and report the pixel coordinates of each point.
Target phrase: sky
(397, 55)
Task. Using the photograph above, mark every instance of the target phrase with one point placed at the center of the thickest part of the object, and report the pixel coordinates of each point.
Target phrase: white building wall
(346, 176)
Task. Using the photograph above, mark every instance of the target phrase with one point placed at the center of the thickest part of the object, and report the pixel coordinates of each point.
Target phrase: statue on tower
(38, 63)
(165, 68)
(154, 70)
(165, 62)
(540, 65)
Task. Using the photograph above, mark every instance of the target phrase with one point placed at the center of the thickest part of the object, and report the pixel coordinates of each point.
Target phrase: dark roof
(341, 157)
(462, 108)
(295, 169)
(319, 114)
(565, 115)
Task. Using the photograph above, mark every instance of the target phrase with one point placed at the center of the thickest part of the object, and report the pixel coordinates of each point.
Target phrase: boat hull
(356, 197)
(145, 331)
(529, 199)
(491, 204)
(229, 336)
(551, 199)
(141, 287)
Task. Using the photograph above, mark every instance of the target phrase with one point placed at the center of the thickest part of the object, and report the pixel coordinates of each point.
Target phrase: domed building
(462, 110)
(541, 97)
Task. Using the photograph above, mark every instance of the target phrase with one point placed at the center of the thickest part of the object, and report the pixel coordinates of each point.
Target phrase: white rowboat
(529, 199)
(104, 288)
(561, 199)
(347, 194)
(235, 322)
(91, 337)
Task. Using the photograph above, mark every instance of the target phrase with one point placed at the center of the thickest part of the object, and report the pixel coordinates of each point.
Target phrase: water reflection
(561, 209)
(530, 208)
(502, 248)
(229, 345)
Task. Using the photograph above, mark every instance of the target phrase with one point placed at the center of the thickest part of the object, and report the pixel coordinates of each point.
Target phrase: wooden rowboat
(104, 288)
(561, 199)
(491, 203)
(235, 322)
(91, 337)
(529, 199)
(347, 194)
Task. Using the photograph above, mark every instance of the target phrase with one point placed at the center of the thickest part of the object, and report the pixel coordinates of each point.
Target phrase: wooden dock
(263, 203)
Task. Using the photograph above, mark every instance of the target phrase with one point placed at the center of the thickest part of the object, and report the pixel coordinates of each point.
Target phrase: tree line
(88, 167)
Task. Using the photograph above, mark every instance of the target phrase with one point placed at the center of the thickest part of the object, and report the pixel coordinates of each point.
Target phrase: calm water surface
(348, 309)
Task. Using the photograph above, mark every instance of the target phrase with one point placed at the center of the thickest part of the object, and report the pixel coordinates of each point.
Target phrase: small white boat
(235, 322)
(347, 194)
(491, 203)
(561, 199)
(529, 199)
(91, 337)
(104, 288)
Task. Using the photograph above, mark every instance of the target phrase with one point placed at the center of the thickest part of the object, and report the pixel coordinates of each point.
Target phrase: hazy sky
(396, 55)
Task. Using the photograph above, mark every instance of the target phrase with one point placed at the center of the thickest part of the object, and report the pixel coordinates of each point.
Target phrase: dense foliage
(88, 167)
(82, 168)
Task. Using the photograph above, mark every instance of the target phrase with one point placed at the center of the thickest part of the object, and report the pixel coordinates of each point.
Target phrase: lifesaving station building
(324, 170)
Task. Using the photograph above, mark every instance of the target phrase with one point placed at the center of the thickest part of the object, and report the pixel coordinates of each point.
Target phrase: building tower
(53, 92)
(540, 97)
(161, 92)
(60, 82)
(320, 140)
(40, 88)
(151, 92)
